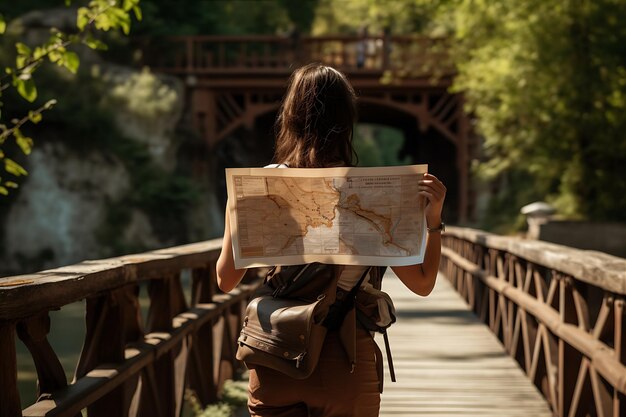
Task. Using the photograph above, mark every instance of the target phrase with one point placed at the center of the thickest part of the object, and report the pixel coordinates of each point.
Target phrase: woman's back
(314, 130)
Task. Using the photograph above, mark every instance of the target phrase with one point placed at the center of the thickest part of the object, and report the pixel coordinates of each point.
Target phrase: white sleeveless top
(351, 273)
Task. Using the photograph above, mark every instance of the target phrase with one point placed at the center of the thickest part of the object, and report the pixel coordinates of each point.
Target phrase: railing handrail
(126, 367)
(118, 353)
(558, 311)
(45, 290)
(252, 54)
(28, 295)
(286, 38)
(597, 268)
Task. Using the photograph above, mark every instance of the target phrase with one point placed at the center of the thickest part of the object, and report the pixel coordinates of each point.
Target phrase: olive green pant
(331, 391)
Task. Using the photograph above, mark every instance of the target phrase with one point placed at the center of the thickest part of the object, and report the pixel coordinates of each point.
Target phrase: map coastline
(351, 216)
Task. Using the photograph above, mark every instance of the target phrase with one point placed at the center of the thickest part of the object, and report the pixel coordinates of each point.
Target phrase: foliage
(102, 15)
(547, 82)
(301, 13)
(234, 395)
(398, 16)
(378, 145)
(165, 197)
(144, 95)
(225, 17)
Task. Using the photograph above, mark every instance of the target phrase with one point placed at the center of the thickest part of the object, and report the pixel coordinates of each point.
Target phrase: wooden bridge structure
(540, 332)
(234, 82)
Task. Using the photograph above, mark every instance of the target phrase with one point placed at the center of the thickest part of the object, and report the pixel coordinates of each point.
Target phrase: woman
(315, 126)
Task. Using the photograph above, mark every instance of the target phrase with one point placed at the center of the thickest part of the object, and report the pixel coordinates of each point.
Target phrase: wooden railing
(270, 54)
(558, 311)
(126, 367)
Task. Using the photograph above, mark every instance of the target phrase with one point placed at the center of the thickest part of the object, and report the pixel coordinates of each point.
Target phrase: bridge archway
(232, 90)
(424, 142)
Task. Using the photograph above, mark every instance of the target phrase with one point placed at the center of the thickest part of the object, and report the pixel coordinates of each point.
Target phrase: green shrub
(234, 395)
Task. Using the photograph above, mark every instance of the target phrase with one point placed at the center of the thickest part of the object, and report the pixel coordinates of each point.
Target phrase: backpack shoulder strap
(376, 276)
(303, 281)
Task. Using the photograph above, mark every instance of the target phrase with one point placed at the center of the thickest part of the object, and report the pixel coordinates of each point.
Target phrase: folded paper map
(350, 216)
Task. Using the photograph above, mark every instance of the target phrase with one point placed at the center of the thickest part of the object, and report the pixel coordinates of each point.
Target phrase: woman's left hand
(435, 193)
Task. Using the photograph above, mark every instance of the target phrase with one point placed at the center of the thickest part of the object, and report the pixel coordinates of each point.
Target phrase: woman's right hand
(434, 191)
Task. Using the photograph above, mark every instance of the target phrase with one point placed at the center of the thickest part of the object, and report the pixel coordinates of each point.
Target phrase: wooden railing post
(619, 398)
(112, 321)
(50, 374)
(202, 365)
(122, 372)
(165, 384)
(569, 358)
(224, 337)
(189, 53)
(9, 396)
(386, 49)
(572, 340)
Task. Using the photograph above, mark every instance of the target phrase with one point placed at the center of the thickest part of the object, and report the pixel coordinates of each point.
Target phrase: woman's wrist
(433, 222)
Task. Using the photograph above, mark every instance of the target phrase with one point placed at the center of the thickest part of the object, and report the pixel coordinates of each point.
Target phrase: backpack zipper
(299, 359)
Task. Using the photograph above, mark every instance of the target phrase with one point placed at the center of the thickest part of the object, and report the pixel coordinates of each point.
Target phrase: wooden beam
(28, 295)
(105, 378)
(9, 395)
(596, 268)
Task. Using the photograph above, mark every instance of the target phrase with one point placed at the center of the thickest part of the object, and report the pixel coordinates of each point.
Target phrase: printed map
(352, 216)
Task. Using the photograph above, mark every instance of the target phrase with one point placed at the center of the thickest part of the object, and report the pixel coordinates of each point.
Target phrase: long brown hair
(316, 119)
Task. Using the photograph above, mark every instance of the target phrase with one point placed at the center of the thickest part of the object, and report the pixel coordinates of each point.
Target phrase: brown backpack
(287, 320)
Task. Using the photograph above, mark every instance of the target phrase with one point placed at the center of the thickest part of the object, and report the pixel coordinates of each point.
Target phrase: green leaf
(71, 61)
(26, 88)
(55, 56)
(3, 191)
(20, 61)
(125, 27)
(95, 44)
(3, 24)
(25, 144)
(103, 22)
(68, 3)
(119, 18)
(82, 18)
(11, 184)
(14, 168)
(138, 13)
(22, 48)
(39, 52)
(34, 117)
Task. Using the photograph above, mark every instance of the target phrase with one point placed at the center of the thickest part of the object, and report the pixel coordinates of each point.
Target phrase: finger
(429, 176)
(429, 196)
(433, 180)
(437, 193)
(430, 190)
(434, 185)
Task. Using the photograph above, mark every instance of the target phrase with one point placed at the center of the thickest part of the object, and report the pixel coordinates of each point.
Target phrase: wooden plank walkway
(449, 364)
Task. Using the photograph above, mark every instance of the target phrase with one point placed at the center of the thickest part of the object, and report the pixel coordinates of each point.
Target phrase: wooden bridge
(235, 84)
(541, 333)
(449, 364)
